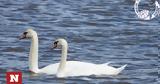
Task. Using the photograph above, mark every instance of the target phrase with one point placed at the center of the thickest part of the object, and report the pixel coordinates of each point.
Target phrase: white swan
(145, 14)
(65, 68)
(77, 68)
(33, 55)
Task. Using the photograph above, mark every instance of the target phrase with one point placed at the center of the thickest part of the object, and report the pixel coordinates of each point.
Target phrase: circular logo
(145, 14)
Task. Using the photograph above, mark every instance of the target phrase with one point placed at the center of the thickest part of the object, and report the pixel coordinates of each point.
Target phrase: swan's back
(77, 68)
(50, 69)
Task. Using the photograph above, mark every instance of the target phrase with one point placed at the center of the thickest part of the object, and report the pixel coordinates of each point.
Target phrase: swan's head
(29, 33)
(59, 43)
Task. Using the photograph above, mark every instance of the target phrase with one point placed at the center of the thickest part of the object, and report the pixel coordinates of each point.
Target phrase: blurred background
(97, 31)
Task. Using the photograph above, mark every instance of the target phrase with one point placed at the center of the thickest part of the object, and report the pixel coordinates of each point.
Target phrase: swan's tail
(121, 68)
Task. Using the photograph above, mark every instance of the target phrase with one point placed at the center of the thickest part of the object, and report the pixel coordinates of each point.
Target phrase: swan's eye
(25, 33)
(56, 42)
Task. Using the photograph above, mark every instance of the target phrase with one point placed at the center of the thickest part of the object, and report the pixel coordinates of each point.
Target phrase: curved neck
(63, 60)
(136, 7)
(33, 55)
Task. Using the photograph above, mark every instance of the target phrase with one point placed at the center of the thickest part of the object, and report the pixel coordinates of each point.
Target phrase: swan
(78, 68)
(145, 14)
(65, 68)
(33, 54)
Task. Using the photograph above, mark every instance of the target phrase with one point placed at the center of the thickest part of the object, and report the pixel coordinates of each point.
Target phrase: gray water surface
(97, 31)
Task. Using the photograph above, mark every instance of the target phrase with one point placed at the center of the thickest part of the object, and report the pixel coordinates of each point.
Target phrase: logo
(146, 14)
(13, 77)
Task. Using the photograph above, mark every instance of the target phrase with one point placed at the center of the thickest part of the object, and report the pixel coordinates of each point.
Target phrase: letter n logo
(14, 78)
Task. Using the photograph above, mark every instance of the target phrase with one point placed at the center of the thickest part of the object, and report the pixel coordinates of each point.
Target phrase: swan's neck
(63, 59)
(33, 56)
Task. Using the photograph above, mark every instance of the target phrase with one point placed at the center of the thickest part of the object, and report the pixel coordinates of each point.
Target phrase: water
(97, 31)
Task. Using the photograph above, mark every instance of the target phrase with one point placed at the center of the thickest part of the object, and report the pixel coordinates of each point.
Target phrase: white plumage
(65, 68)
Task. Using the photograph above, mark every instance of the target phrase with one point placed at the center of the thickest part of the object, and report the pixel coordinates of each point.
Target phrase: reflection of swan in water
(145, 14)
